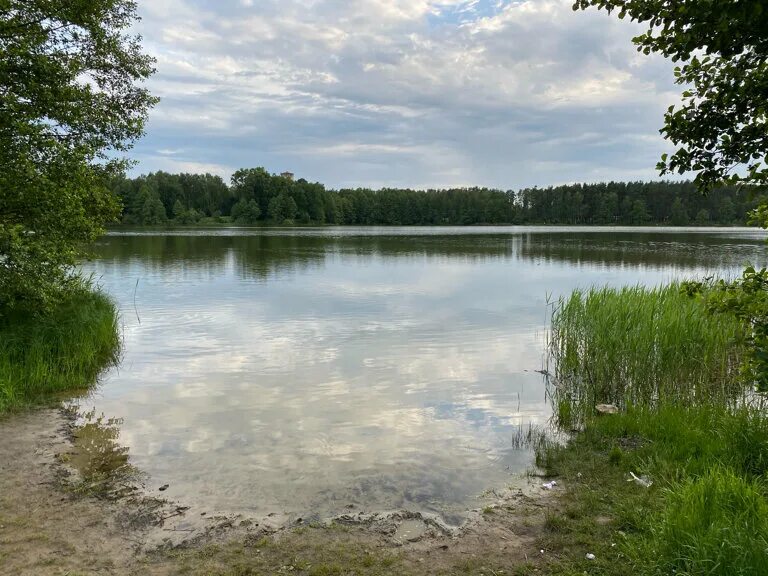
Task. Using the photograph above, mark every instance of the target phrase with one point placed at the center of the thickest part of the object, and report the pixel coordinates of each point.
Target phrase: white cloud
(403, 92)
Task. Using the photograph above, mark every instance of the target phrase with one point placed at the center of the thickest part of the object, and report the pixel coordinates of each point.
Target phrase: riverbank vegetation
(64, 350)
(705, 512)
(637, 346)
(255, 196)
(675, 482)
(72, 102)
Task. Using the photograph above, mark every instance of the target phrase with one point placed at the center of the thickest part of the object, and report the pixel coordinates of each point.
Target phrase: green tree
(639, 213)
(254, 184)
(70, 102)
(702, 217)
(246, 212)
(607, 209)
(152, 209)
(726, 212)
(282, 208)
(178, 210)
(722, 45)
(184, 216)
(678, 215)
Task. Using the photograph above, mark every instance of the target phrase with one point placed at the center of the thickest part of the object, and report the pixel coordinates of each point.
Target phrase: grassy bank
(60, 352)
(706, 511)
(689, 426)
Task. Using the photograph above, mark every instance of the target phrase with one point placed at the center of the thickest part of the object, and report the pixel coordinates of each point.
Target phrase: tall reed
(61, 351)
(639, 346)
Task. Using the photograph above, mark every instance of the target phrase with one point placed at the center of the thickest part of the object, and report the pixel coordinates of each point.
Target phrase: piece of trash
(590, 556)
(549, 485)
(607, 409)
(542, 551)
(643, 481)
(163, 488)
(578, 475)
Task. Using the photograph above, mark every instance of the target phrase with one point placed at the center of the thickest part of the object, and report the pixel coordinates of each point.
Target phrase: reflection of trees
(259, 256)
(262, 255)
(102, 462)
(160, 252)
(638, 248)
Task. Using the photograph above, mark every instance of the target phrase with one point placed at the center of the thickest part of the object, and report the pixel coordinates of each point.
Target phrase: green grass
(717, 523)
(688, 421)
(641, 347)
(63, 351)
(706, 512)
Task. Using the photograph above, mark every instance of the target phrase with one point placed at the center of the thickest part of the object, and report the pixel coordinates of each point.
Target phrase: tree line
(255, 196)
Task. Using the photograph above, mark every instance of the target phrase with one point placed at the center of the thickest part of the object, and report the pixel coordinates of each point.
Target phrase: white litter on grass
(549, 485)
(643, 481)
(590, 556)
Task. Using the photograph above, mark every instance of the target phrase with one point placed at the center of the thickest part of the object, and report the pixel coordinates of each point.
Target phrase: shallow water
(309, 371)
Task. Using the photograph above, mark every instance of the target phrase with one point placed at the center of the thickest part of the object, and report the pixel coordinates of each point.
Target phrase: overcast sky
(420, 93)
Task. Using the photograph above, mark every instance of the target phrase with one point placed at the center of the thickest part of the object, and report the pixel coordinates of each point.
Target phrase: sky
(405, 93)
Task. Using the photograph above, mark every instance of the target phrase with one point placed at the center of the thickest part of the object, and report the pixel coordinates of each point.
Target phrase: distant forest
(255, 196)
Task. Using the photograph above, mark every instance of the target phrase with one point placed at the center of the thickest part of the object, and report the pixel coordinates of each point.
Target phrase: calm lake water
(306, 371)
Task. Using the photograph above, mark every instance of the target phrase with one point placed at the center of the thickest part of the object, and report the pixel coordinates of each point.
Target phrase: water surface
(306, 371)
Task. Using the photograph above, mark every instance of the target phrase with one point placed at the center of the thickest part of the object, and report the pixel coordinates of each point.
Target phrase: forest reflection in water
(258, 253)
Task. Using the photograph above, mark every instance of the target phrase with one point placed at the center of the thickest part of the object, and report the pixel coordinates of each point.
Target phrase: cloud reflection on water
(305, 372)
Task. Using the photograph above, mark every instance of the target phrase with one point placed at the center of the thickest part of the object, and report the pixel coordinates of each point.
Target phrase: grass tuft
(716, 524)
(705, 512)
(61, 351)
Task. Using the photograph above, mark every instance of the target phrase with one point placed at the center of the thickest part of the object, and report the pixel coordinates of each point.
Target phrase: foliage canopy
(161, 198)
(721, 128)
(71, 100)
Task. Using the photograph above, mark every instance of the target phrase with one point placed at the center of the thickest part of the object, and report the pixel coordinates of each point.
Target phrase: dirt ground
(55, 522)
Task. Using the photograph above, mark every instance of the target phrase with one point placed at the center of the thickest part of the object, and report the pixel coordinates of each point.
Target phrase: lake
(308, 372)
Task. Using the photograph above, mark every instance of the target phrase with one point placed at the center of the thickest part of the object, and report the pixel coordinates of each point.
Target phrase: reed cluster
(44, 355)
(637, 346)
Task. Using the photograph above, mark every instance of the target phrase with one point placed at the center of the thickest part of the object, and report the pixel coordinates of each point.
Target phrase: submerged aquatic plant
(637, 346)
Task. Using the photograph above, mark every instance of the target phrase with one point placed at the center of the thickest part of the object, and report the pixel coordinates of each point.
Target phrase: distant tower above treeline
(288, 175)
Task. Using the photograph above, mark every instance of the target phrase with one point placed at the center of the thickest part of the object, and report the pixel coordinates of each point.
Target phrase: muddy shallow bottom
(55, 520)
(98, 464)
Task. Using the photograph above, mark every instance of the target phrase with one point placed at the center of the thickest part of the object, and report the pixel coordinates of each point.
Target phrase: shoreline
(128, 531)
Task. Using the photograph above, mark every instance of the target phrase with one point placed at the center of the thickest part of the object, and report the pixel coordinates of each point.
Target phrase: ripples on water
(305, 370)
